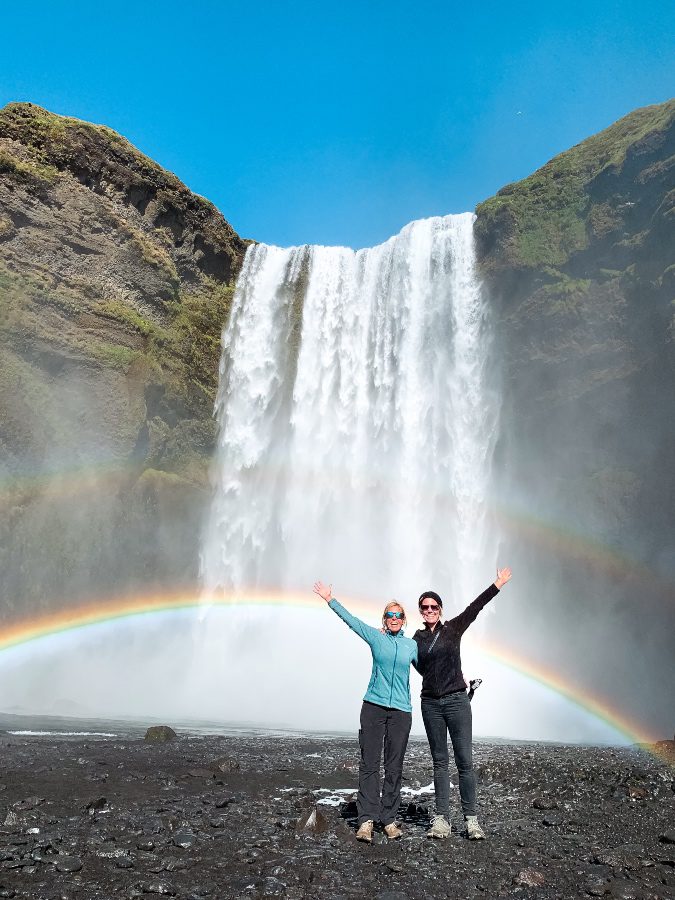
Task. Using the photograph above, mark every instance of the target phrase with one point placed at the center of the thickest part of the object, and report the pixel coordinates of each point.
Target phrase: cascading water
(356, 420)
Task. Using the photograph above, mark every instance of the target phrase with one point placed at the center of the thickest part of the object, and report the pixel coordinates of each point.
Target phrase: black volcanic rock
(261, 849)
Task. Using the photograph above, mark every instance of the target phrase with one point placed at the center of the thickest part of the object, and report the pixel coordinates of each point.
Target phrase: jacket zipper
(391, 689)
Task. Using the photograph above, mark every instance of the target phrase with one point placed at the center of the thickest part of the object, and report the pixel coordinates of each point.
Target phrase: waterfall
(356, 420)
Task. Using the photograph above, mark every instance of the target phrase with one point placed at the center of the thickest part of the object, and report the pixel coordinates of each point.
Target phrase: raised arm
(366, 632)
(464, 619)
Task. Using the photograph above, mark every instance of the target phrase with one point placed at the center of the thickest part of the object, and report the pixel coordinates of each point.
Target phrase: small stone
(668, 837)
(184, 838)
(544, 803)
(624, 890)
(160, 887)
(226, 764)
(147, 845)
(551, 821)
(224, 800)
(68, 864)
(174, 864)
(28, 803)
(637, 793)
(529, 878)
(313, 821)
(124, 862)
(159, 734)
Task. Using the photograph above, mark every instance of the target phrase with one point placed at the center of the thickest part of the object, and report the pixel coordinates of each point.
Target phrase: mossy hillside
(562, 208)
(25, 167)
(201, 242)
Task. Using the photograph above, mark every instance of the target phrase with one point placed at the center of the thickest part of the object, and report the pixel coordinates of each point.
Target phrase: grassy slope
(551, 215)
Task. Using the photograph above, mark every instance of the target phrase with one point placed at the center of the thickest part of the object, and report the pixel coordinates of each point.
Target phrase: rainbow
(113, 609)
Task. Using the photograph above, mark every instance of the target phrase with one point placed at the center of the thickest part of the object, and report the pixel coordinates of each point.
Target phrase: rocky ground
(263, 816)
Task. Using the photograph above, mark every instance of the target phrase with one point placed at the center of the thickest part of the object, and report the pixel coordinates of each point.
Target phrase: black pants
(451, 714)
(381, 724)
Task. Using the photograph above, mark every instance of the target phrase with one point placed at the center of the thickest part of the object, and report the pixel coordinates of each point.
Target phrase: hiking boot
(440, 827)
(473, 829)
(365, 832)
(392, 831)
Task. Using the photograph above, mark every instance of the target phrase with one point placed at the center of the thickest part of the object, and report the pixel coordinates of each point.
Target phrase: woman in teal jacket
(386, 714)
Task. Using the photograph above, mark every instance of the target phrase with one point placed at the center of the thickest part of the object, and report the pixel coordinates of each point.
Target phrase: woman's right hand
(325, 592)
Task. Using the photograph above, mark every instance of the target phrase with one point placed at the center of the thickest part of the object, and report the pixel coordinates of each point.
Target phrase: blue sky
(338, 123)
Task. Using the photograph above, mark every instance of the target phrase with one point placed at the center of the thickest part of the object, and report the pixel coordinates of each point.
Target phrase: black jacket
(441, 669)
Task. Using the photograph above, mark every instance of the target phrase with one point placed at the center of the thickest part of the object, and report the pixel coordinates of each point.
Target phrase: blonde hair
(391, 605)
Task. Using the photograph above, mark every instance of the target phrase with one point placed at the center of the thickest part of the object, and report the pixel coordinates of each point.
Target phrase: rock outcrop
(115, 282)
(579, 259)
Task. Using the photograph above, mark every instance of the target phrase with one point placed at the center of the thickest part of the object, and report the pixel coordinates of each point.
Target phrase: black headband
(432, 595)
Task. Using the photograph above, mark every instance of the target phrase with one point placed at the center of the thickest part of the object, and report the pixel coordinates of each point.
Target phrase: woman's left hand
(503, 575)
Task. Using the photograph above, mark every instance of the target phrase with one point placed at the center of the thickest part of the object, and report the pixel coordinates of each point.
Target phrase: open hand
(503, 575)
(324, 592)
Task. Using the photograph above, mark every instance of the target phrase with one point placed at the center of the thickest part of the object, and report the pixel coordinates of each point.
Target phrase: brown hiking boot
(392, 831)
(365, 832)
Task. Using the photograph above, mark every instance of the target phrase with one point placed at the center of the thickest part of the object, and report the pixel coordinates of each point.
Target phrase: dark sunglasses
(394, 615)
(429, 607)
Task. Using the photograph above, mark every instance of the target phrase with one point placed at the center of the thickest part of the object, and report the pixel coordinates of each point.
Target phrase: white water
(356, 421)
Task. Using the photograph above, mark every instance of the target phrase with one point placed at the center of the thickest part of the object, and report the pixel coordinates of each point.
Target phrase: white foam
(63, 733)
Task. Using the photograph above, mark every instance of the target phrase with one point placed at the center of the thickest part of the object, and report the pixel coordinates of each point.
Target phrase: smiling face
(395, 622)
(431, 611)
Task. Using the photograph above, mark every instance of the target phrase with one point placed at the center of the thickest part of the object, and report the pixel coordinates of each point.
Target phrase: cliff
(579, 260)
(115, 282)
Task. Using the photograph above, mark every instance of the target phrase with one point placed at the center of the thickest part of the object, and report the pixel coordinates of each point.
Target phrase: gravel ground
(266, 816)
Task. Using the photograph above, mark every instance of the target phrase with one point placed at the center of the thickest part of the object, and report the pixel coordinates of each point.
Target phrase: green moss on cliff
(26, 169)
(552, 215)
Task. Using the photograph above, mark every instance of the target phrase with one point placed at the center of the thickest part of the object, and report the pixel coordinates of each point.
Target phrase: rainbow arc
(114, 609)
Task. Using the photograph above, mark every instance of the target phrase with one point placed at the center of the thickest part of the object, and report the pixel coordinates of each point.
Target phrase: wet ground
(266, 816)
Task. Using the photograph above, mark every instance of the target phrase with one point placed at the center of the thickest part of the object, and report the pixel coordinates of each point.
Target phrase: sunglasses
(430, 607)
(394, 615)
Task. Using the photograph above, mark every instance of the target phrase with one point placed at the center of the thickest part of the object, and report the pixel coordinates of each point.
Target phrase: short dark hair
(432, 595)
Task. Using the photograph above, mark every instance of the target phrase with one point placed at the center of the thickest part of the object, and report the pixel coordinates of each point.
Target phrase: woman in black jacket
(445, 704)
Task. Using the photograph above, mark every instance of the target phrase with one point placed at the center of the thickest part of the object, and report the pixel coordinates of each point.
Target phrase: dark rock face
(579, 260)
(115, 282)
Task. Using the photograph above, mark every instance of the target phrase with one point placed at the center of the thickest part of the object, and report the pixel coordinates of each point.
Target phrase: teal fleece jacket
(392, 655)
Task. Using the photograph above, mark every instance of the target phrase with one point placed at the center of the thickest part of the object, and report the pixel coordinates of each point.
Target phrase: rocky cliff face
(580, 261)
(115, 281)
